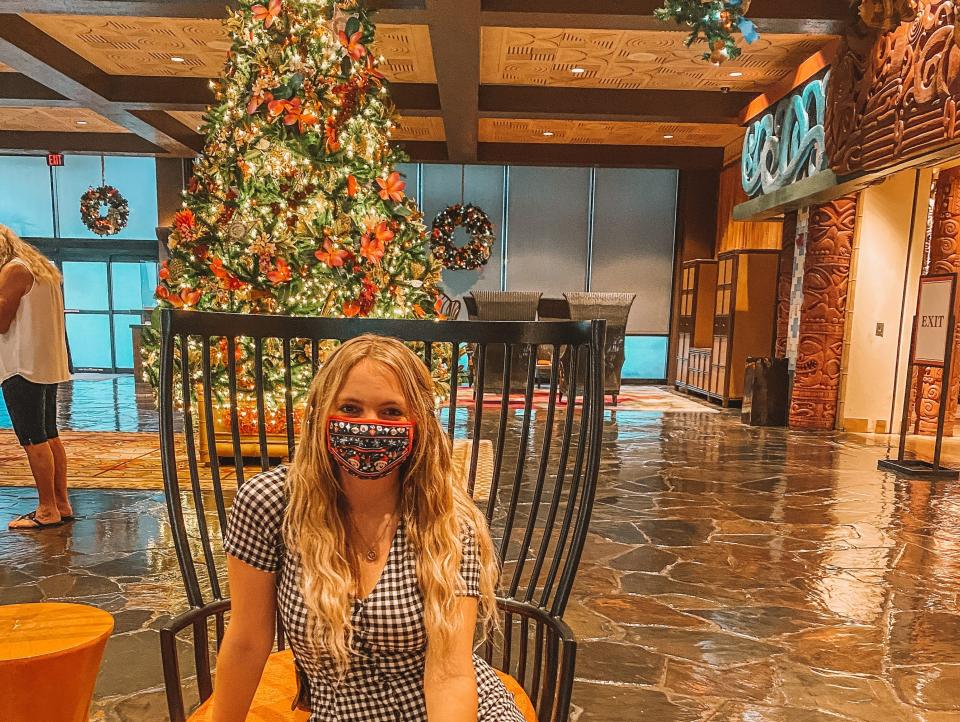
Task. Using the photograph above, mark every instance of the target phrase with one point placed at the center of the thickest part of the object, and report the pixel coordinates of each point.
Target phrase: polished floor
(731, 574)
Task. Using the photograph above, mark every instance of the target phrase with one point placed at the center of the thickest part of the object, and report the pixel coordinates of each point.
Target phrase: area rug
(631, 398)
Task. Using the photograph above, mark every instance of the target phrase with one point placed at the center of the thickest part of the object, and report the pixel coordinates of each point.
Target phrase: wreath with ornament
(712, 22)
(104, 223)
(476, 223)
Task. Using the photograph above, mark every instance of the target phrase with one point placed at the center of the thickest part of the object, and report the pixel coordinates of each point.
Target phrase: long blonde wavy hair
(433, 506)
(12, 246)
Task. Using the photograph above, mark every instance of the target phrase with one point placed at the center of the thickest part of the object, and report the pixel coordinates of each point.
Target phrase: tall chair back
(237, 384)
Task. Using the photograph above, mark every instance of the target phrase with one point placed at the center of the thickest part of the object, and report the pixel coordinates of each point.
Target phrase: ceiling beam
(612, 156)
(35, 54)
(661, 106)
(17, 89)
(401, 12)
(113, 143)
(771, 16)
(424, 151)
(455, 37)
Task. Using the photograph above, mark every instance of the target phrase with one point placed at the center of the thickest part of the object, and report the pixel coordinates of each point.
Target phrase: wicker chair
(535, 479)
(506, 306)
(614, 308)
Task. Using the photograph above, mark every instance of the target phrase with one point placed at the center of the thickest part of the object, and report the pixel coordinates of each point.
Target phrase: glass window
(123, 338)
(89, 337)
(85, 286)
(133, 284)
(646, 358)
(135, 178)
(25, 196)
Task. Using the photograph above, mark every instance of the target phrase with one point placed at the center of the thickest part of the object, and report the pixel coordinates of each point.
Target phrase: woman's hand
(248, 640)
(450, 682)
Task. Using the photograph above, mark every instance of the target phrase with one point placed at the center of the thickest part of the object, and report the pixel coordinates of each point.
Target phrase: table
(49, 658)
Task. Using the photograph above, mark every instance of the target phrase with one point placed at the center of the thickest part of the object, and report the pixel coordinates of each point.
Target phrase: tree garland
(118, 211)
(714, 20)
(474, 221)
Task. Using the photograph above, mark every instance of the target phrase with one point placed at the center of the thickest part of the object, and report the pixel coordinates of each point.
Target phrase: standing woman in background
(33, 360)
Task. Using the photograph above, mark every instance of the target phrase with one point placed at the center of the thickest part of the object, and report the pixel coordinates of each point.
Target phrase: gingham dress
(385, 680)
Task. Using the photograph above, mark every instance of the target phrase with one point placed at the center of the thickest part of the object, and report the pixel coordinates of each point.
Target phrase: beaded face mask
(369, 448)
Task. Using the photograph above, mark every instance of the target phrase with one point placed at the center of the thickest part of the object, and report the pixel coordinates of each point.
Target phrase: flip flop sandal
(32, 516)
(68, 517)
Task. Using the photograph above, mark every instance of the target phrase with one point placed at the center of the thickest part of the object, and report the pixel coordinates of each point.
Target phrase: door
(102, 299)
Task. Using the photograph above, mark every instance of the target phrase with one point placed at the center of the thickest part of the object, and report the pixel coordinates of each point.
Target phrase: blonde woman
(33, 360)
(379, 563)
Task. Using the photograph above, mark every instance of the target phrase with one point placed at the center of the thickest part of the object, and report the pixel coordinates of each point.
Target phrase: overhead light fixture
(547, 133)
(736, 74)
(578, 71)
(177, 59)
(81, 122)
(668, 137)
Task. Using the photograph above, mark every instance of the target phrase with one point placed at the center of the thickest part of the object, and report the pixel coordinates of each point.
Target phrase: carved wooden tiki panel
(893, 95)
(944, 258)
(785, 281)
(826, 280)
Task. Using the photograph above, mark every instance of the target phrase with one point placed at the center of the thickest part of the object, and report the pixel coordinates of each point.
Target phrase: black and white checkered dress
(385, 680)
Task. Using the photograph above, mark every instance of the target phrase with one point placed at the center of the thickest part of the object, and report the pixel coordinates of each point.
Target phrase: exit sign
(55, 160)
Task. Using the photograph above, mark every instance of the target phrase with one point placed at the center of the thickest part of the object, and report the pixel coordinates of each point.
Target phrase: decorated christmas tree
(296, 206)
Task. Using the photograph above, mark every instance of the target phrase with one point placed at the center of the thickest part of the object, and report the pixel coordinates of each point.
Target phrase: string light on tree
(295, 206)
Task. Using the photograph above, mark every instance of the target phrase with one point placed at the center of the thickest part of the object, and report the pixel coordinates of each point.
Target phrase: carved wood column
(826, 279)
(944, 258)
(785, 282)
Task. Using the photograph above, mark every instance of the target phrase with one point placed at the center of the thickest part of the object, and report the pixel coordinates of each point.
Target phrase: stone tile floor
(731, 574)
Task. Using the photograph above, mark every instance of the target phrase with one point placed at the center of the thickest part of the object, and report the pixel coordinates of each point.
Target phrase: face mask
(367, 448)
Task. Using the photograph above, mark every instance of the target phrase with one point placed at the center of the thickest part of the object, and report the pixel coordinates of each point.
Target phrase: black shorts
(32, 408)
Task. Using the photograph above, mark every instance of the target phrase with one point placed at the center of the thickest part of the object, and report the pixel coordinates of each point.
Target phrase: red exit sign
(55, 160)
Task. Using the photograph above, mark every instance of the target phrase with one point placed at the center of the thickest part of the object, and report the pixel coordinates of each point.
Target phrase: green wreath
(117, 214)
(474, 221)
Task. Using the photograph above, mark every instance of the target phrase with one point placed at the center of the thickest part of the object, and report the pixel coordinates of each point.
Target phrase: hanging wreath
(475, 222)
(117, 213)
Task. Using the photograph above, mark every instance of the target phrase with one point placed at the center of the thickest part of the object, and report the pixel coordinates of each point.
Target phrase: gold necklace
(372, 549)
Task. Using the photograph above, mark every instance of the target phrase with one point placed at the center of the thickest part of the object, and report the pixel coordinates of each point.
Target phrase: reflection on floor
(101, 402)
(732, 574)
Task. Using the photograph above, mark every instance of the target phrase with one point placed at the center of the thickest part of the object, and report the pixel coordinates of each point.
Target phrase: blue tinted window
(646, 358)
(25, 204)
(85, 285)
(89, 337)
(123, 337)
(133, 284)
(135, 178)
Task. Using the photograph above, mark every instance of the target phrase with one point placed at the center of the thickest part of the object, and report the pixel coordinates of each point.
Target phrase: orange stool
(49, 659)
(278, 685)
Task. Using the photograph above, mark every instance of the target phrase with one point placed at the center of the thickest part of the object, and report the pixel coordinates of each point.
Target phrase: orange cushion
(278, 686)
(519, 696)
(271, 703)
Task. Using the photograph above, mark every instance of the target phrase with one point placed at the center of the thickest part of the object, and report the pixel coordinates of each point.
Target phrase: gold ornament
(718, 52)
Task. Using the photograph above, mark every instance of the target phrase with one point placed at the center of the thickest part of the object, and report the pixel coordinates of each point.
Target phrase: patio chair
(614, 308)
(505, 306)
(535, 481)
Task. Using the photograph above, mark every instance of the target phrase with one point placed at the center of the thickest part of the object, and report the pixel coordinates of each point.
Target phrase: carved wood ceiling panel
(57, 120)
(146, 46)
(633, 59)
(411, 127)
(578, 132)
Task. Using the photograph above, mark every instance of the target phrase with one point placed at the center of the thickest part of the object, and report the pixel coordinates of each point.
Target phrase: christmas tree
(295, 206)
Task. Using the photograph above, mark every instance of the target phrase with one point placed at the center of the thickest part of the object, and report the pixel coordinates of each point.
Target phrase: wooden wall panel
(826, 281)
(944, 258)
(741, 235)
(894, 95)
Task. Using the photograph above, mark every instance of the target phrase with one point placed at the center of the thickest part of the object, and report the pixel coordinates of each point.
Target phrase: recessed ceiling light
(578, 71)
(668, 137)
(177, 59)
(547, 133)
(81, 122)
(736, 74)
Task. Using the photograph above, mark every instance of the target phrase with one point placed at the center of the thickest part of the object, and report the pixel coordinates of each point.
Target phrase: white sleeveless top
(35, 345)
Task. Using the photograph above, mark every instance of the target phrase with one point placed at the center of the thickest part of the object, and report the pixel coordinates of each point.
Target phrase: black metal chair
(535, 480)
